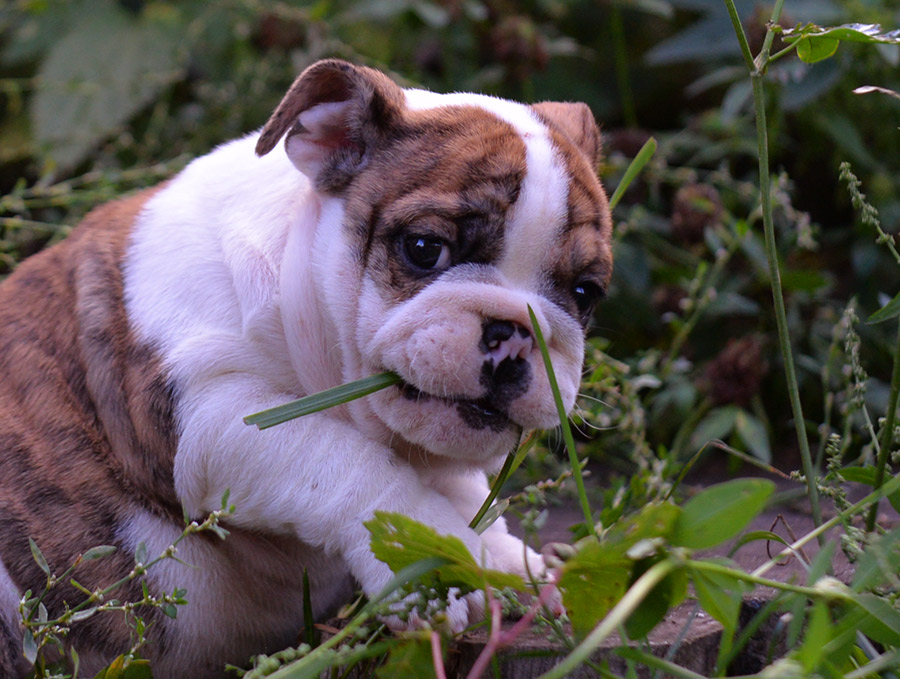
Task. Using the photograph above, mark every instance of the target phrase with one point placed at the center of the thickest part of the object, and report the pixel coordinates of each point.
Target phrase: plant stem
(887, 434)
(564, 426)
(892, 486)
(757, 69)
(617, 29)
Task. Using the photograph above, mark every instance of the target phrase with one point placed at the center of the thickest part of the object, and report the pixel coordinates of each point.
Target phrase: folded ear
(334, 115)
(575, 121)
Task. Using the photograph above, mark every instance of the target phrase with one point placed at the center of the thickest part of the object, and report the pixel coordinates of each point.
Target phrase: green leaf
(883, 622)
(818, 633)
(136, 668)
(140, 553)
(322, 400)
(720, 512)
(98, 552)
(409, 658)
(719, 595)
(400, 542)
(754, 435)
(877, 564)
(862, 33)
(887, 312)
(811, 49)
(104, 69)
(869, 89)
(83, 614)
(717, 424)
(634, 169)
(592, 583)
(866, 475)
(495, 511)
(29, 647)
(38, 556)
(668, 593)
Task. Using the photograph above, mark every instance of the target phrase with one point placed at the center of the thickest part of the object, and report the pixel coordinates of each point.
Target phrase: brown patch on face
(86, 430)
(576, 122)
(585, 249)
(450, 174)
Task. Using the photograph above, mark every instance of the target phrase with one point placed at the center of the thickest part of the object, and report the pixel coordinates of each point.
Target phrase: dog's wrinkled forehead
(432, 181)
(499, 181)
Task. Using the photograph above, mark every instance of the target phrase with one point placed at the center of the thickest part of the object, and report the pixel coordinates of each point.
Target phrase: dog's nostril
(504, 339)
(496, 332)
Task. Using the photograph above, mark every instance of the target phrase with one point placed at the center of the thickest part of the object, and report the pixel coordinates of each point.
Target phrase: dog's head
(451, 214)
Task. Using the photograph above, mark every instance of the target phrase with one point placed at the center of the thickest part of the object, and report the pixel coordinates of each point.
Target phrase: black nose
(506, 345)
(496, 332)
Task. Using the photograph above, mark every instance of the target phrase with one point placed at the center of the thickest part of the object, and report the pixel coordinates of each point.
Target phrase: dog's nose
(504, 339)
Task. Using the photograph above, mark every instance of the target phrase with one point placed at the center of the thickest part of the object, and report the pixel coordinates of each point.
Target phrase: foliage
(732, 324)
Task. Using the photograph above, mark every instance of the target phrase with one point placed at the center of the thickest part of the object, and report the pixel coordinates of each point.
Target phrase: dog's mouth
(480, 413)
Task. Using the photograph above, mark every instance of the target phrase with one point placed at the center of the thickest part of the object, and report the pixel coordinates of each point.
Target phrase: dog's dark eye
(427, 252)
(586, 294)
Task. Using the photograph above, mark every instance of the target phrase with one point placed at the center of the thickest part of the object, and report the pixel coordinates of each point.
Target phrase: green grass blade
(322, 400)
(641, 159)
(564, 424)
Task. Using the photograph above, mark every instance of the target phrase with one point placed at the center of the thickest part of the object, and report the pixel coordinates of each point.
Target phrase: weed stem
(784, 340)
(887, 434)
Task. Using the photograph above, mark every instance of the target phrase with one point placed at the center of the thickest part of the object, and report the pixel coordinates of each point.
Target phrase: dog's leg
(466, 492)
(316, 477)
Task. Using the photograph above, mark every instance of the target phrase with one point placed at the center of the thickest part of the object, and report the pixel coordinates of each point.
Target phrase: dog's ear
(334, 114)
(576, 121)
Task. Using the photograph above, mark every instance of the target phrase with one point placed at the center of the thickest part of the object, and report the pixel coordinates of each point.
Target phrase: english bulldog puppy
(393, 229)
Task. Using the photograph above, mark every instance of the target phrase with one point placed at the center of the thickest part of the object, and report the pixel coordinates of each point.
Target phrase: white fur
(239, 274)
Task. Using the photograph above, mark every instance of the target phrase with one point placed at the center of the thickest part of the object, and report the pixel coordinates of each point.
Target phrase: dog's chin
(468, 429)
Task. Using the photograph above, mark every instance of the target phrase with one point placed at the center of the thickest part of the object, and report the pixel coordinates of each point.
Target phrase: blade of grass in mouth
(322, 400)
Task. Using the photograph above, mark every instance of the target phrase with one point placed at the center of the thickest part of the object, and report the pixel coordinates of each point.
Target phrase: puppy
(393, 230)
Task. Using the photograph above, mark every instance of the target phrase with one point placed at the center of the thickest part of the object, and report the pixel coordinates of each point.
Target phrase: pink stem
(493, 643)
(438, 656)
(512, 634)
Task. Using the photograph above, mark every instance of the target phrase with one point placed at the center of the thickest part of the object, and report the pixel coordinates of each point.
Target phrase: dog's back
(79, 451)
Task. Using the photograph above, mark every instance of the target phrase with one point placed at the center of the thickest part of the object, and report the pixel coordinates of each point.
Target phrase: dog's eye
(427, 252)
(586, 294)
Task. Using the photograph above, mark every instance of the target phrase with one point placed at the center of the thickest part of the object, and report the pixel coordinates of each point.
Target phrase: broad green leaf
(887, 312)
(409, 658)
(322, 400)
(717, 424)
(720, 512)
(719, 595)
(863, 33)
(655, 520)
(883, 622)
(754, 435)
(592, 583)
(135, 669)
(811, 49)
(399, 542)
(104, 69)
(668, 593)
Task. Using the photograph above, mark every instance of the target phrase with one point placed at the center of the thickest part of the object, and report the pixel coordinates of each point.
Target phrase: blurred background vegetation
(100, 97)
